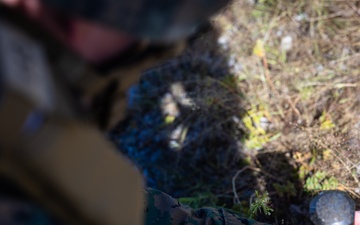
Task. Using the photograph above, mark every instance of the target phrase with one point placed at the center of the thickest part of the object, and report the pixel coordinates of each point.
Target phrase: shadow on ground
(185, 133)
(289, 201)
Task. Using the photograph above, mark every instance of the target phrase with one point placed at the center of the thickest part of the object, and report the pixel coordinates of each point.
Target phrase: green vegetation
(257, 136)
(300, 84)
(301, 80)
(261, 204)
(199, 200)
(319, 181)
(270, 101)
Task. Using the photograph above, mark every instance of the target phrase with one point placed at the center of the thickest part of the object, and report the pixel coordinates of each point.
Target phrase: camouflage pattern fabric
(151, 19)
(161, 209)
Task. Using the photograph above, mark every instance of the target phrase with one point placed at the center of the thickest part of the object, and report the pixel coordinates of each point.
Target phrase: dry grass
(308, 91)
(271, 103)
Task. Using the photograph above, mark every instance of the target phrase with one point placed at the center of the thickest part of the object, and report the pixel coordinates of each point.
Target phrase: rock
(286, 43)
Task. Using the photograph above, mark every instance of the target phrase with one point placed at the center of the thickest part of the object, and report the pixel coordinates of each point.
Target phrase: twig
(252, 198)
(343, 163)
(347, 168)
(273, 89)
(236, 197)
(349, 190)
(271, 84)
(293, 106)
(326, 17)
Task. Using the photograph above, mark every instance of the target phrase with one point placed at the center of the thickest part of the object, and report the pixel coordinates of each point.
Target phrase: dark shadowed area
(267, 101)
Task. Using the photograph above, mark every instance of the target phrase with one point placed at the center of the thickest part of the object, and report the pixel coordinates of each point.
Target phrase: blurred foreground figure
(65, 66)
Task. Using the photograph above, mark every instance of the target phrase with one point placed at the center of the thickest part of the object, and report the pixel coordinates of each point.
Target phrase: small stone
(286, 43)
(169, 106)
(176, 133)
(280, 31)
(236, 119)
(319, 68)
(264, 123)
(179, 94)
(301, 17)
(223, 40)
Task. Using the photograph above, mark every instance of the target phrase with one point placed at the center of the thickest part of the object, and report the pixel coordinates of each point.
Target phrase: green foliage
(306, 93)
(241, 208)
(303, 171)
(326, 122)
(229, 82)
(200, 200)
(257, 135)
(269, 3)
(263, 7)
(169, 119)
(285, 190)
(320, 181)
(261, 204)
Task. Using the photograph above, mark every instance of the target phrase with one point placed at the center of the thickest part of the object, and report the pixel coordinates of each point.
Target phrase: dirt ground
(267, 100)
